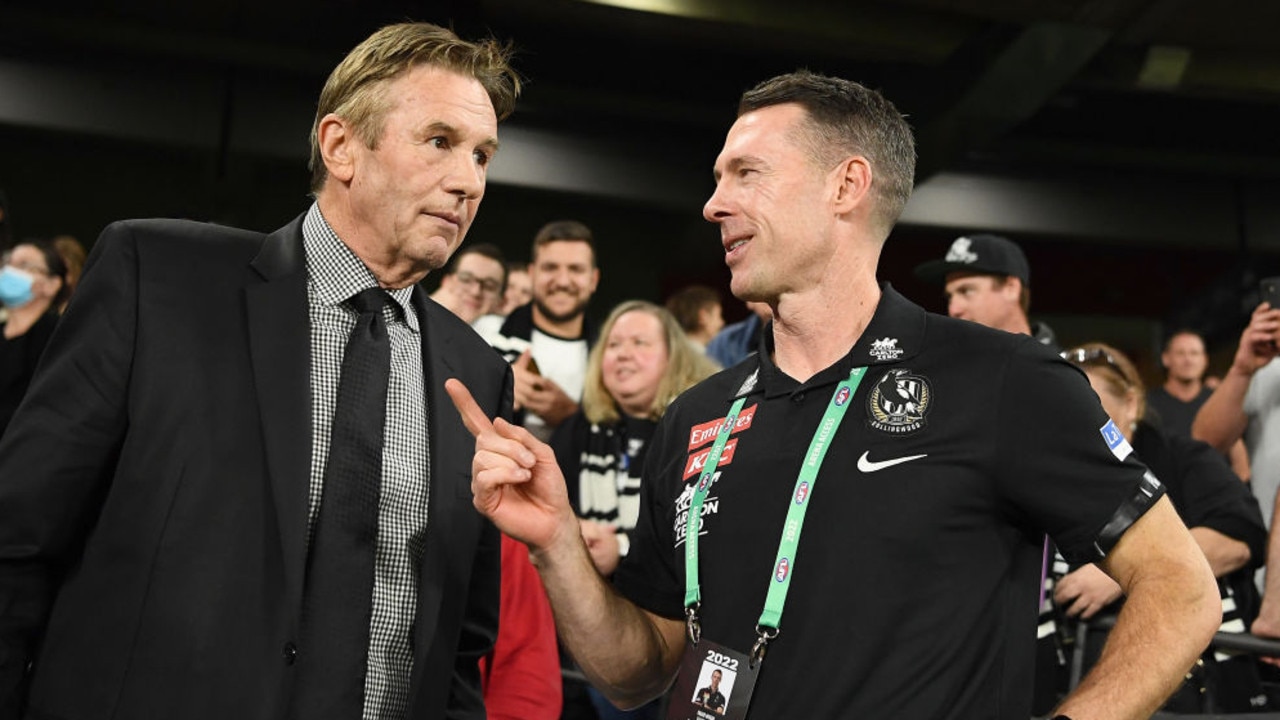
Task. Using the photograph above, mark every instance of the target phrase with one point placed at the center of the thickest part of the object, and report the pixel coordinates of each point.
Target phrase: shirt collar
(336, 273)
(895, 334)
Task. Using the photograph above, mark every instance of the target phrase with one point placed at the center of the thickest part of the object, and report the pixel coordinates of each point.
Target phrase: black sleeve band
(1149, 491)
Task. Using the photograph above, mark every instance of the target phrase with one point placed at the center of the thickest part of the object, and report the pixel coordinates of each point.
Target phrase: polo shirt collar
(895, 333)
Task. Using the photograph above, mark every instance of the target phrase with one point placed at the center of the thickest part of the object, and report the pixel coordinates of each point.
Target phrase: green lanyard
(784, 563)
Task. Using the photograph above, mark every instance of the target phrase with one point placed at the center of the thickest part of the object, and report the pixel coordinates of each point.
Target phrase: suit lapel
(280, 350)
(445, 434)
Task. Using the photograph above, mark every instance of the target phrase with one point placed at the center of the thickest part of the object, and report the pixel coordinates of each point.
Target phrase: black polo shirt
(914, 586)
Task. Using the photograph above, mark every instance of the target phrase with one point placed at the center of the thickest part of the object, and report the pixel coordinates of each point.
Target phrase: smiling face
(770, 204)
(634, 360)
(405, 204)
(564, 277)
(473, 288)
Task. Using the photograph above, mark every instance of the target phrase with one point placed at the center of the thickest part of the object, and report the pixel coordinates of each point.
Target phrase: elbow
(1208, 432)
(633, 699)
(1215, 440)
(628, 704)
(1193, 600)
(1207, 606)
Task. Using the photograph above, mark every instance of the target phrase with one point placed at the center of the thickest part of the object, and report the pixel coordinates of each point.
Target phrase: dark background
(1130, 146)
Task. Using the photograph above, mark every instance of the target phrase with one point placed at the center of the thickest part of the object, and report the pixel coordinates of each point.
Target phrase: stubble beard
(574, 313)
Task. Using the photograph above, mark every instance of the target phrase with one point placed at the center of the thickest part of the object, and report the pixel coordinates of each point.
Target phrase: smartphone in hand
(1269, 291)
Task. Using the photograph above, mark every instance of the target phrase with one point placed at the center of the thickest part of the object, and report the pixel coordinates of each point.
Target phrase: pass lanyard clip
(763, 636)
(767, 628)
(691, 622)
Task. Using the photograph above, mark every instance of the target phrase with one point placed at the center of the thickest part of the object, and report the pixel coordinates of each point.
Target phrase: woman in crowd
(33, 283)
(73, 255)
(641, 363)
(699, 311)
(1223, 517)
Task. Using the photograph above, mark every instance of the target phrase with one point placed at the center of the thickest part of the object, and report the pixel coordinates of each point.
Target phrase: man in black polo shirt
(710, 696)
(987, 280)
(883, 475)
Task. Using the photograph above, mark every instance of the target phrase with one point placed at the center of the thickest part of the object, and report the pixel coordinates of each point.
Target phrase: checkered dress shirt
(334, 274)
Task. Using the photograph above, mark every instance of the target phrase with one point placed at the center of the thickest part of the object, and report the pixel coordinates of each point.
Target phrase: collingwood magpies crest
(899, 402)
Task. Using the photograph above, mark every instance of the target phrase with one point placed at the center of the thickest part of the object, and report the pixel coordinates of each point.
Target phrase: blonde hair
(686, 366)
(356, 89)
(1117, 371)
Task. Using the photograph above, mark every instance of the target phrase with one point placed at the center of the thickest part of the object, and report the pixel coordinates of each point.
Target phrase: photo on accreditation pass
(705, 686)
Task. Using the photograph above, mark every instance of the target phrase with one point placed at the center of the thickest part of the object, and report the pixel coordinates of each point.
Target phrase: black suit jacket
(153, 490)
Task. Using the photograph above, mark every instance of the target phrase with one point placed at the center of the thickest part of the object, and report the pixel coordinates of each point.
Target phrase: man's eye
(440, 142)
(483, 158)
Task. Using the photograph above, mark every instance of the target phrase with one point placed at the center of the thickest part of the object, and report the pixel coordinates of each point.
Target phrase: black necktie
(337, 603)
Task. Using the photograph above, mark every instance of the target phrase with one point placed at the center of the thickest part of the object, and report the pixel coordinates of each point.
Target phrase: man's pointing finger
(472, 416)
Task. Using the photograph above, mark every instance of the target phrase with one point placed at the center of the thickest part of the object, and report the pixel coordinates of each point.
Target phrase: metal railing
(1245, 643)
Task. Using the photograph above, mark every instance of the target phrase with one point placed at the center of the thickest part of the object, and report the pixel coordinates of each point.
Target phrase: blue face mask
(15, 287)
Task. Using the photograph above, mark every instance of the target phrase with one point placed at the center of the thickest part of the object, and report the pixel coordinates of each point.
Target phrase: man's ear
(1013, 287)
(337, 145)
(853, 183)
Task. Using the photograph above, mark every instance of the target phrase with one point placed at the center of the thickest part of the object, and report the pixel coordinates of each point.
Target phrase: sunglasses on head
(1093, 356)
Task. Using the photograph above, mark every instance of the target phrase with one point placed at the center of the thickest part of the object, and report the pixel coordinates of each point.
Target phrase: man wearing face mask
(33, 282)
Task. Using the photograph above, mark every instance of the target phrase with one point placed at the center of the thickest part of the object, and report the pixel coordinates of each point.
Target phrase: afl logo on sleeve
(899, 402)
(1115, 440)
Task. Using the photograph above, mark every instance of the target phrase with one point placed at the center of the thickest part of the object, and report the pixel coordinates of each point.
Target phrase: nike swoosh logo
(866, 465)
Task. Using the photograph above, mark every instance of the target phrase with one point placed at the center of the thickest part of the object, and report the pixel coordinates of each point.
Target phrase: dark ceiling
(1160, 85)
(1093, 90)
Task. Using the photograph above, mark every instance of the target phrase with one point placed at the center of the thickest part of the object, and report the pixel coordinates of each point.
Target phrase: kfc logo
(698, 460)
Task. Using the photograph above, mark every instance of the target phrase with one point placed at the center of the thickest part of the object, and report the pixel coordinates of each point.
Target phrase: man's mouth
(449, 217)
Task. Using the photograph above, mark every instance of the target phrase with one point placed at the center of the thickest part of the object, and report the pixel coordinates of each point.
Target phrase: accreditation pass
(714, 682)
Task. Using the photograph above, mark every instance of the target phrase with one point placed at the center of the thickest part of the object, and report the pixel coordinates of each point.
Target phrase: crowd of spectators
(597, 393)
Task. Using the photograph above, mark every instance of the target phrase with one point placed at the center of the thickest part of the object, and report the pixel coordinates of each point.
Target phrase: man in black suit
(160, 485)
